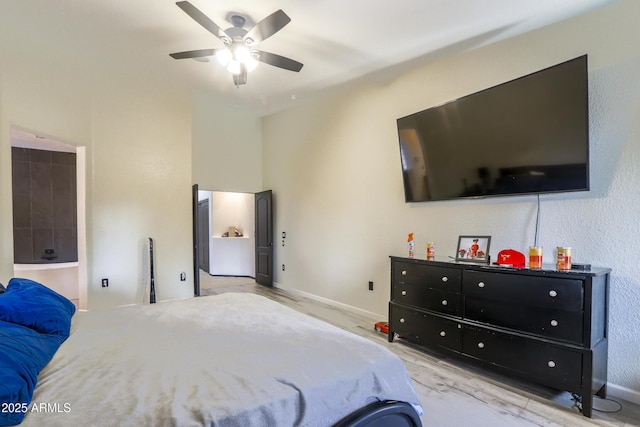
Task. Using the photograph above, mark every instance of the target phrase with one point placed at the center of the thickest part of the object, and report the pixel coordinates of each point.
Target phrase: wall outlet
(370, 286)
(105, 283)
(183, 276)
(282, 267)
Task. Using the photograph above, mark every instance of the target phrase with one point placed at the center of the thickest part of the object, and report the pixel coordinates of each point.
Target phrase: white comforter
(227, 360)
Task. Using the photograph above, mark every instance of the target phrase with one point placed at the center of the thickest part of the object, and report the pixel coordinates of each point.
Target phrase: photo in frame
(473, 249)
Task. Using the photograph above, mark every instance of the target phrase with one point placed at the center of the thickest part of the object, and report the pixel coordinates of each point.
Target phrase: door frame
(29, 140)
(268, 248)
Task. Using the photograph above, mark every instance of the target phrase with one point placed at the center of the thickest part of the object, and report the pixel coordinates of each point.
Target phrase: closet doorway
(233, 236)
(48, 195)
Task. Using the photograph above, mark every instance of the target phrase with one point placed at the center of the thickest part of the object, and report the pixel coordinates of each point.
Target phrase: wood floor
(453, 394)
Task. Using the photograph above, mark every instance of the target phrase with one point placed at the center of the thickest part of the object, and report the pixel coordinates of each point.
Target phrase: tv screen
(527, 136)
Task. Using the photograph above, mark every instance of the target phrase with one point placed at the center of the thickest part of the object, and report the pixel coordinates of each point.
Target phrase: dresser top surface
(547, 269)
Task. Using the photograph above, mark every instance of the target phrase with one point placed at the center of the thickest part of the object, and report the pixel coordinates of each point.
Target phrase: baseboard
(229, 275)
(614, 390)
(373, 316)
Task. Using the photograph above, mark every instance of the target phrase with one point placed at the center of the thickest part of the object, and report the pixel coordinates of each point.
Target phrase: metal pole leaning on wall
(152, 290)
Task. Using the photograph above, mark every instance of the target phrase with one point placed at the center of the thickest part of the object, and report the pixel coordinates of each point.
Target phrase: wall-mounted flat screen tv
(526, 136)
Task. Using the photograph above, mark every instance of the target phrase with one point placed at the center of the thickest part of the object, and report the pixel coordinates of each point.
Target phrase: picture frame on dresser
(473, 249)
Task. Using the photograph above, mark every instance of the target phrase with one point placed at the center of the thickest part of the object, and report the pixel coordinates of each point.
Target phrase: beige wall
(62, 278)
(227, 147)
(334, 167)
(138, 171)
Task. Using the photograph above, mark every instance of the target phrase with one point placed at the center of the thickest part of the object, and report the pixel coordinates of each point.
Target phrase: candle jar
(535, 257)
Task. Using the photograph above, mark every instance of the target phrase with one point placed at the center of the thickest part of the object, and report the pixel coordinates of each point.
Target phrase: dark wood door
(196, 255)
(264, 238)
(203, 235)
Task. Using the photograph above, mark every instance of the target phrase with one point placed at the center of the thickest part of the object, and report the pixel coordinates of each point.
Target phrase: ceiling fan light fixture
(243, 55)
(240, 79)
(234, 67)
(224, 56)
(251, 63)
(232, 60)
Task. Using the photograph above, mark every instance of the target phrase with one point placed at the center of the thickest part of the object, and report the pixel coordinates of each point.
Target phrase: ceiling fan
(239, 54)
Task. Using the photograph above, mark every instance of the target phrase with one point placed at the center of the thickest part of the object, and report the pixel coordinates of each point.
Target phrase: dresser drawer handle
(554, 323)
(402, 320)
(443, 333)
(481, 285)
(404, 292)
(445, 279)
(444, 302)
(553, 294)
(551, 364)
(404, 272)
(480, 345)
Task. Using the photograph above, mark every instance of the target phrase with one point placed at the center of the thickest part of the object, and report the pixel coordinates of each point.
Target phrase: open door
(203, 235)
(264, 238)
(196, 249)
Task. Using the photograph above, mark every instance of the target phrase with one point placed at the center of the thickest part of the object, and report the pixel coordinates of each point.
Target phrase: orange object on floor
(382, 327)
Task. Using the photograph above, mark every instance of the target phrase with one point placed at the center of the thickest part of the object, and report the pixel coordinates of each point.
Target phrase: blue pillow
(35, 306)
(23, 354)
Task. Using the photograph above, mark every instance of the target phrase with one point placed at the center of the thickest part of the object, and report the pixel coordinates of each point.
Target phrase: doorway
(236, 231)
(50, 249)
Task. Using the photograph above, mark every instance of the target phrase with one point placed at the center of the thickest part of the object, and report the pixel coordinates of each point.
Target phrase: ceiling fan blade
(278, 61)
(193, 53)
(203, 20)
(268, 26)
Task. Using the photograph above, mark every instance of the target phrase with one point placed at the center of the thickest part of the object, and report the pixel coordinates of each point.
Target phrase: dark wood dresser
(545, 326)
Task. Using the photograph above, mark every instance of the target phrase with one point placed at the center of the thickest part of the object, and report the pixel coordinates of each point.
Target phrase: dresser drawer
(435, 277)
(555, 366)
(546, 292)
(425, 329)
(549, 323)
(423, 297)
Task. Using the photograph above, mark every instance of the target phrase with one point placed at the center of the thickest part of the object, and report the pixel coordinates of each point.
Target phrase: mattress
(227, 360)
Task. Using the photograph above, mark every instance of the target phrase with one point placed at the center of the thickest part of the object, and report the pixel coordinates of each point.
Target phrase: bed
(233, 359)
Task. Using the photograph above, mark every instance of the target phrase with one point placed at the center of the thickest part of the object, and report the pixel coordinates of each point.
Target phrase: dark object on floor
(388, 413)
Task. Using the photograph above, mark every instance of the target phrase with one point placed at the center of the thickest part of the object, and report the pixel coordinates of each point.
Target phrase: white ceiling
(338, 41)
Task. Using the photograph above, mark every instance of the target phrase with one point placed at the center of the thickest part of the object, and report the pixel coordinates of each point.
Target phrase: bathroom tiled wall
(44, 206)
